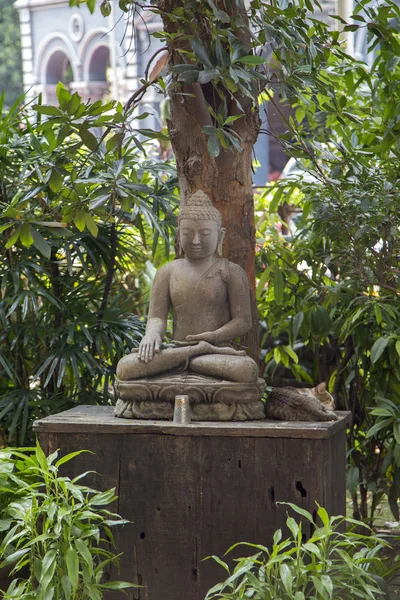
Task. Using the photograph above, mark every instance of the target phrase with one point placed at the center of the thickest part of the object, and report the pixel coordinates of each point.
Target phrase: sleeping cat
(300, 404)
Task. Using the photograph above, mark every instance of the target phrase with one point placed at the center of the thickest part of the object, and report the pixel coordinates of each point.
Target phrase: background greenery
(330, 293)
(10, 44)
(78, 213)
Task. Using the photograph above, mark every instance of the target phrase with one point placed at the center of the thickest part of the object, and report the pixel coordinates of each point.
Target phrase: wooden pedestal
(194, 490)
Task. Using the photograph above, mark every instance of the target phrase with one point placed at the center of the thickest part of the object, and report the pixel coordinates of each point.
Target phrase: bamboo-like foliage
(330, 564)
(56, 534)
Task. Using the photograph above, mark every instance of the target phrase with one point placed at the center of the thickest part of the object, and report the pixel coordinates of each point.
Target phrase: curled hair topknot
(199, 206)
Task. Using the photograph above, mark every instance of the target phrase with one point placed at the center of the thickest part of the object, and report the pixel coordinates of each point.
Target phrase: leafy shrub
(80, 203)
(329, 291)
(331, 564)
(56, 532)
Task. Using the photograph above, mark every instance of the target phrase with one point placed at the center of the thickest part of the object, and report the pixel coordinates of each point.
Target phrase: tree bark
(227, 179)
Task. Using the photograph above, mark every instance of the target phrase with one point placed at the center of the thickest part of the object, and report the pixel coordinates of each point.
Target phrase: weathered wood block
(194, 490)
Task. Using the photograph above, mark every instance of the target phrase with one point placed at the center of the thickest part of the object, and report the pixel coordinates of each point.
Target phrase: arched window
(59, 68)
(99, 62)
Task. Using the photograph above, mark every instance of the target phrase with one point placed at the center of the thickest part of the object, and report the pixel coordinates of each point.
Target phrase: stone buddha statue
(209, 299)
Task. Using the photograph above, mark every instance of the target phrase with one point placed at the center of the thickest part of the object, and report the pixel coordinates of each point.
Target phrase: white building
(93, 55)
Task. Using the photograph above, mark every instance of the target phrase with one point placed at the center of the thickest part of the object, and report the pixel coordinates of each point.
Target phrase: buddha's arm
(157, 316)
(239, 305)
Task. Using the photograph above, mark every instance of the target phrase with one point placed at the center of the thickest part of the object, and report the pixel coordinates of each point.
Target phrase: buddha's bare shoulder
(166, 270)
(230, 271)
(234, 268)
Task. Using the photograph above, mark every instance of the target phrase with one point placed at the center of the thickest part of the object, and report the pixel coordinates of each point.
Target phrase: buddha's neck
(202, 263)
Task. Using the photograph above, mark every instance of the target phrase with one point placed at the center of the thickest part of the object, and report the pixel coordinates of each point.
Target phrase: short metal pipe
(182, 413)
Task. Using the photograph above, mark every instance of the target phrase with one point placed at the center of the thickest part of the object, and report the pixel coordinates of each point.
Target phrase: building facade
(90, 54)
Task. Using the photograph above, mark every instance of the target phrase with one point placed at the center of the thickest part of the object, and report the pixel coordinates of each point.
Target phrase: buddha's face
(198, 237)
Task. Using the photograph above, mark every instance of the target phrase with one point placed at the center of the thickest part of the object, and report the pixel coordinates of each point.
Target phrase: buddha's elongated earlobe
(221, 240)
(181, 253)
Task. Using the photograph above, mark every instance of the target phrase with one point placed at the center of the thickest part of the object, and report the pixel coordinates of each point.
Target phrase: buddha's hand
(150, 344)
(207, 336)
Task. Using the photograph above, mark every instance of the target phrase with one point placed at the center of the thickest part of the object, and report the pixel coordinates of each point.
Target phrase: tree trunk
(227, 179)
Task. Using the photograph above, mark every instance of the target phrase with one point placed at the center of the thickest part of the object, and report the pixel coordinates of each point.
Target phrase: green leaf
(63, 95)
(301, 511)
(154, 135)
(208, 75)
(73, 104)
(188, 76)
(396, 455)
(378, 348)
(323, 515)
(40, 243)
(72, 561)
(279, 285)
(118, 585)
(213, 146)
(292, 526)
(80, 219)
(52, 111)
(277, 536)
(185, 67)
(398, 347)
(291, 353)
(114, 141)
(379, 426)
(378, 314)
(200, 51)
(320, 321)
(209, 130)
(13, 237)
(14, 557)
(88, 138)
(69, 457)
(103, 498)
(297, 323)
(252, 61)
(25, 235)
(84, 551)
(48, 568)
(273, 205)
(312, 548)
(396, 432)
(91, 225)
(393, 497)
(5, 524)
(261, 284)
(55, 181)
(66, 586)
(286, 578)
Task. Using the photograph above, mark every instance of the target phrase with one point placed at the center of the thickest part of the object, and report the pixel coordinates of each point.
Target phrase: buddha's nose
(196, 238)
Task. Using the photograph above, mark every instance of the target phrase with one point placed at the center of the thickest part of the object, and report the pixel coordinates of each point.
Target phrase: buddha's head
(200, 227)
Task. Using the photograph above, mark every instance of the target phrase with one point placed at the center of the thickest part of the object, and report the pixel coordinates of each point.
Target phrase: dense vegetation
(10, 44)
(330, 564)
(77, 215)
(56, 534)
(331, 306)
